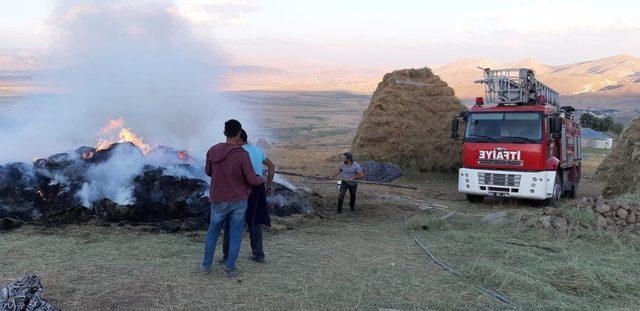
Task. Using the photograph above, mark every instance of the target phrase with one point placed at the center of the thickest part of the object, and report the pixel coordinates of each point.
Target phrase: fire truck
(518, 141)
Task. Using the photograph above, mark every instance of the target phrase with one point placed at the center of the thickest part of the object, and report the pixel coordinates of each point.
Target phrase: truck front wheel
(554, 200)
(475, 198)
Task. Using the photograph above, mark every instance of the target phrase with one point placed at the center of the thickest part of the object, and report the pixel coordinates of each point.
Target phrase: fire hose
(359, 181)
(425, 206)
(448, 267)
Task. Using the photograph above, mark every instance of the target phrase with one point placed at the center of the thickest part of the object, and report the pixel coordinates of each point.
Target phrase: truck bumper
(526, 185)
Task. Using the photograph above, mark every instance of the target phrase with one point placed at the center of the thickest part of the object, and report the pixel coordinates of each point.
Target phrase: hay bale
(408, 122)
(620, 170)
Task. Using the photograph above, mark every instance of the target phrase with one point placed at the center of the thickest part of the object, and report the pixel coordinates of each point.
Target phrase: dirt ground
(364, 260)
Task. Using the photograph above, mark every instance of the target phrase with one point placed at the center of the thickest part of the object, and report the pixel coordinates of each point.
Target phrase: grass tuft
(580, 216)
(587, 270)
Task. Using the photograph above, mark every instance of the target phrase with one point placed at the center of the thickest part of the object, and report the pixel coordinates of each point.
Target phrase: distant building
(595, 139)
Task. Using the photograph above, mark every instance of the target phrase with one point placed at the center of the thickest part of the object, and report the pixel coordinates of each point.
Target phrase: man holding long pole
(351, 171)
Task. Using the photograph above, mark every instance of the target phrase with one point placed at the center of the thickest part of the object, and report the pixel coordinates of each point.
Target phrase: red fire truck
(518, 142)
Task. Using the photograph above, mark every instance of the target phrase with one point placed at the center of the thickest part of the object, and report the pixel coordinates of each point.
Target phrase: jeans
(352, 187)
(219, 212)
(255, 236)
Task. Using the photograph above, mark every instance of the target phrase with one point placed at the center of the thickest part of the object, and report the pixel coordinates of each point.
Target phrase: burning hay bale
(24, 295)
(287, 200)
(620, 170)
(112, 184)
(17, 190)
(119, 183)
(408, 122)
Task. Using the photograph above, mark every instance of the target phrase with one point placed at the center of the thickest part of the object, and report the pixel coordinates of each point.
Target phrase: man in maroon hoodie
(232, 176)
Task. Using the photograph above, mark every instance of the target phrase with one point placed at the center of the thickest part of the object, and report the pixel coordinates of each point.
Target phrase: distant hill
(608, 85)
(616, 76)
(251, 69)
(19, 60)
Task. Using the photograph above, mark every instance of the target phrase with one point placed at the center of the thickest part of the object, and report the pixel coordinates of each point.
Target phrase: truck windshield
(515, 127)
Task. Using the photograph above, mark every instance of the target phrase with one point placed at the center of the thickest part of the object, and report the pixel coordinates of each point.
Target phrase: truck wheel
(475, 198)
(554, 200)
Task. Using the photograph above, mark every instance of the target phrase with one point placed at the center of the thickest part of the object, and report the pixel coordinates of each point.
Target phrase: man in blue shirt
(257, 213)
(351, 171)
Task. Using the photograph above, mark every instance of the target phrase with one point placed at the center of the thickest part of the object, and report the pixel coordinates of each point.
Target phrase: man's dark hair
(232, 128)
(348, 155)
(243, 135)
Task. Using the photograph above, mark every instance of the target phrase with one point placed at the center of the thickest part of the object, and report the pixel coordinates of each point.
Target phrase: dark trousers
(255, 237)
(256, 215)
(352, 187)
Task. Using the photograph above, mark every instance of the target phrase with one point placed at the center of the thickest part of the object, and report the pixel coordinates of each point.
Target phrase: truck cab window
(516, 127)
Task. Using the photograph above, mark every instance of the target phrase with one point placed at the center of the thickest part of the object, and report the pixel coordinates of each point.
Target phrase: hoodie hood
(221, 151)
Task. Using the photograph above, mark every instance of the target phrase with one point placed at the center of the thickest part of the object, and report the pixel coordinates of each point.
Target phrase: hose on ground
(447, 266)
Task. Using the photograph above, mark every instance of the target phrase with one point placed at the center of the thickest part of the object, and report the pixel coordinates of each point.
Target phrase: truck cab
(522, 146)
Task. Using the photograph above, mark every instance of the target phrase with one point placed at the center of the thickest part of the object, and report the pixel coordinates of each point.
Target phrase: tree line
(601, 124)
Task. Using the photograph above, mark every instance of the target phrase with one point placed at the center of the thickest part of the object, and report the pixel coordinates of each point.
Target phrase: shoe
(231, 272)
(256, 259)
(205, 270)
(222, 260)
(352, 209)
(338, 212)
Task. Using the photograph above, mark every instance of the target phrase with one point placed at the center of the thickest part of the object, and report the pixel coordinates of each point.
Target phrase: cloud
(549, 18)
(216, 13)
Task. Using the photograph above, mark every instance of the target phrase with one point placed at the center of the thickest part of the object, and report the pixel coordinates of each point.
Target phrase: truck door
(563, 143)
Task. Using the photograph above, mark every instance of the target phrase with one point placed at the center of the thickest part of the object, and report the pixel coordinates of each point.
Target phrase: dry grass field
(365, 260)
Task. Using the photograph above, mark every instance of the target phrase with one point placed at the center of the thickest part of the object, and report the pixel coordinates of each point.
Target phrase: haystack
(620, 170)
(408, 123)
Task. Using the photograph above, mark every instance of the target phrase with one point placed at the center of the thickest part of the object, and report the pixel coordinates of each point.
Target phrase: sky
(371, 34)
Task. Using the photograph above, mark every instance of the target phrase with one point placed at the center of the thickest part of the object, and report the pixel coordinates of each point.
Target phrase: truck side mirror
(556, 127)
(454, 128)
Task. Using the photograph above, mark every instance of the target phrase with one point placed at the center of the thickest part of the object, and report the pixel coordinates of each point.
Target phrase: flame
(182, 155)
(87, 154)
(124, 135)
(111, 126)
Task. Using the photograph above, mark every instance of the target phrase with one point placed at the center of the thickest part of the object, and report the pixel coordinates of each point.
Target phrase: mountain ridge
(617, 75)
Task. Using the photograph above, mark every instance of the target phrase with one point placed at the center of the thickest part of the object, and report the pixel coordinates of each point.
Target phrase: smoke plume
(136, 66)
(138, 61)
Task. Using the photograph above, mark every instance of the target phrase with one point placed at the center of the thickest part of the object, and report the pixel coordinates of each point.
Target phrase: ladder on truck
(515, 86)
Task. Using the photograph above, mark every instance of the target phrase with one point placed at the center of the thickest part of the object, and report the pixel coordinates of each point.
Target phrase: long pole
(359, 181)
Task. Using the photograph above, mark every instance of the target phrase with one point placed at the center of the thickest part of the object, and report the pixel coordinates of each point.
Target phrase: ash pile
(118, 184)
(408, 122)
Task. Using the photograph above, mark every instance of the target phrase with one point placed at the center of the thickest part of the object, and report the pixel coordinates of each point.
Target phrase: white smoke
(113, 179)
(135, 60)
(281, 180)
